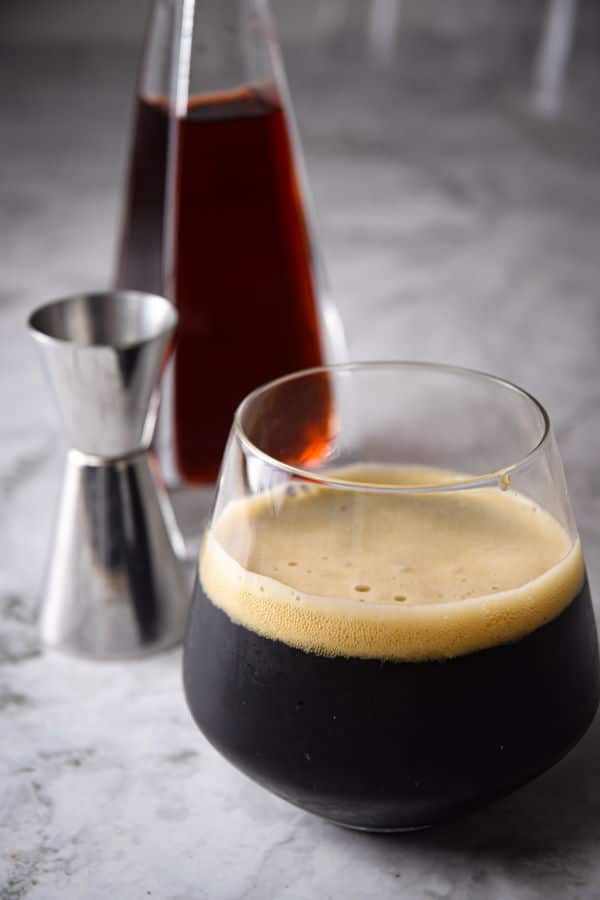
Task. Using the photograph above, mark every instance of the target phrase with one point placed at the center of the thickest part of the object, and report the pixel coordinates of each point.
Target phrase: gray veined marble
(457, 227)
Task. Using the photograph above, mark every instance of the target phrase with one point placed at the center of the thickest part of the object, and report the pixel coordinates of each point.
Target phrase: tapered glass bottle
(232, 237)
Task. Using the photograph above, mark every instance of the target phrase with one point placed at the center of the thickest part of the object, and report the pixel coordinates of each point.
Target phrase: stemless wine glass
(391, 624)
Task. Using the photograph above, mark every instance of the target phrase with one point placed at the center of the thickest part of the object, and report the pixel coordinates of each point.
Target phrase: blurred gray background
(453, 149)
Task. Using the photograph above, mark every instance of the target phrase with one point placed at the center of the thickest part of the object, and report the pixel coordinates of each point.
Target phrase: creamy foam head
(387, 575)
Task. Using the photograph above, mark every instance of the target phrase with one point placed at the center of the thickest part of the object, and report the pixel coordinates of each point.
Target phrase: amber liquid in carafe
(243, 281)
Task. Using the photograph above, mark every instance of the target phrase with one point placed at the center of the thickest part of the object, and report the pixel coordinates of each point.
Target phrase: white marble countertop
(457, 229)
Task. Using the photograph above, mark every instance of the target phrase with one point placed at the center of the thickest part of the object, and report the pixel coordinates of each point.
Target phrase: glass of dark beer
(391, 624)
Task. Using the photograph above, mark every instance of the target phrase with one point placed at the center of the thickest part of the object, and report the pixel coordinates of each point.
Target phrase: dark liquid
(376, 744)
(141, 261)
(243, 282)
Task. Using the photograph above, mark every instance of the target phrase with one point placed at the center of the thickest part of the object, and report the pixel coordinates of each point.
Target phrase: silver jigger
(115, 587)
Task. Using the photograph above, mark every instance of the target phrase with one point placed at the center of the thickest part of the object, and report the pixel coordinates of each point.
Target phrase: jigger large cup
(115, 585)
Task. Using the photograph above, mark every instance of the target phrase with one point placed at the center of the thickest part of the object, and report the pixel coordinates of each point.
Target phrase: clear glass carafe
(218, 218)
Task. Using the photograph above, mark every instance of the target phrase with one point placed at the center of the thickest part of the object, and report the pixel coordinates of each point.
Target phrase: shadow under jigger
(115, 586)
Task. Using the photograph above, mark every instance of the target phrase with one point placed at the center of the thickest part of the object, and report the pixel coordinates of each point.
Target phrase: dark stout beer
(391, 661)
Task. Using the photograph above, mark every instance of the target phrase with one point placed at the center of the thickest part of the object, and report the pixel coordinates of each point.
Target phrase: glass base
(373, 829)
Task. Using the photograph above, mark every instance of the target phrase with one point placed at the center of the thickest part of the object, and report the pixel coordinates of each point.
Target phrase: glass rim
(498, 477)
(40, 333)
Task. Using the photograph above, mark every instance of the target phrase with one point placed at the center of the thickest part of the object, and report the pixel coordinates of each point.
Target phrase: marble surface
(456, 228)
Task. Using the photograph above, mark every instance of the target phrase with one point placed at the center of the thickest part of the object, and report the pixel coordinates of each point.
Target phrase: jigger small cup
(115, 585)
